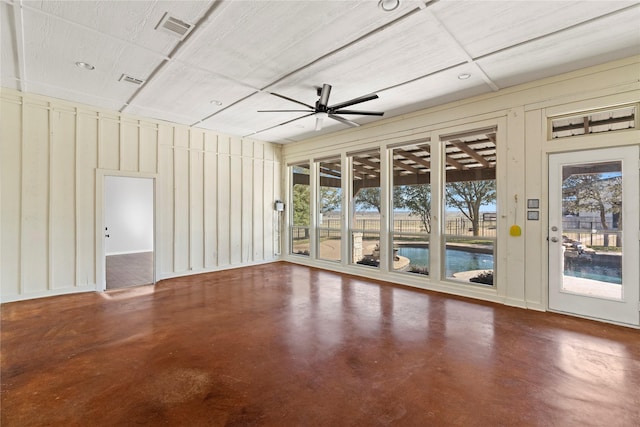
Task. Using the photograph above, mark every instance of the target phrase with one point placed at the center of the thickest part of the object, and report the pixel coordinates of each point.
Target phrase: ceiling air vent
(129, 79)
(174, 26)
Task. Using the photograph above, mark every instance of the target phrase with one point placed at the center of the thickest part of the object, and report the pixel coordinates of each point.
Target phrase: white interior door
(594, 234)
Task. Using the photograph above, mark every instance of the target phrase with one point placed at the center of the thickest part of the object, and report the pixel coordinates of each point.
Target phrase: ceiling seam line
(93, 30)
(424, 76)
(173, 52)
(214, 73)
(18, 18)
(343, 47)
(325, 56)
(466, 54)
(553, 33)
(226, 107)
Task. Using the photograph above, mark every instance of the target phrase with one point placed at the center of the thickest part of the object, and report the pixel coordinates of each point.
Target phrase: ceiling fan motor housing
(322, 109)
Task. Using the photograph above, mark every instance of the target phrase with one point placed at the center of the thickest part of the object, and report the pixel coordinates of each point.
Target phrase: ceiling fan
(322, 109)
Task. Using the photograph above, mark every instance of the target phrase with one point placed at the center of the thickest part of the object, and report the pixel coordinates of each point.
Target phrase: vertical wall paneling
(87, 135)
(515, 166)
(535, 231)
(148, 154)
(76, 207)
(140, 144)
(279, 194)
(109, 142)
(129, 145)
(11, 195)
(196, 200)
(166, 210)
(210, 182)
(213, 195)
(49, 200)
(181, 200)
(235, 206)
(35, 199)
(268, 213)
(248, 189)
(224, 202)
(62, 199)
(257, 221)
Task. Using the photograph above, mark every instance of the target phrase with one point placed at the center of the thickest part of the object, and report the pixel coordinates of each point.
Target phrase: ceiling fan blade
(324, 95)
(354, 101)
(285, 111)
(362, 113)
(292, 100)
(283, 123)
(344, 121)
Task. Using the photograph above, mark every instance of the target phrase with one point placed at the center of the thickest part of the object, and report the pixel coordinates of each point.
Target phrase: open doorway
(128, 231)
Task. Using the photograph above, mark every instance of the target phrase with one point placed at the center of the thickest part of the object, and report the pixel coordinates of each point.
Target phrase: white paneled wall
(214, 205)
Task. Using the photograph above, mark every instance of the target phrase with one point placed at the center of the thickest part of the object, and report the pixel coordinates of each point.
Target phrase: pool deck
(594, 288)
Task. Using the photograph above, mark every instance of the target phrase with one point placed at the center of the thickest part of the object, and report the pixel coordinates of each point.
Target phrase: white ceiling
(240, 51)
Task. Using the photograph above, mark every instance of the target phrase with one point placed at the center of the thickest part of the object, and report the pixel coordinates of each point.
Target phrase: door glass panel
(411, 201)
(470, 203)
(329, 209)
(592, 229)
(301, 209)
(365, 201)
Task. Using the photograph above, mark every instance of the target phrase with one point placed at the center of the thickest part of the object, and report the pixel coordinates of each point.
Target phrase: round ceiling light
(85, 66)
(464, 76)
(388, 5)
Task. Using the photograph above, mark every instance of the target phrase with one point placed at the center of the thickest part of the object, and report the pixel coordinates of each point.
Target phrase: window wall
(366, 207)
(329, 207)
(455, 175)
(300, 211)
(411, 208)
(470, 224)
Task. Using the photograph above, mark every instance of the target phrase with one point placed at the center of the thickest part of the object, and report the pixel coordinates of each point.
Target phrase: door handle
(554, 239)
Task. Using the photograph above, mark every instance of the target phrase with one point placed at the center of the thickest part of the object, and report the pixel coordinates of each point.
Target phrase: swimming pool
(456, 260)
(459, 260)
(603, 272)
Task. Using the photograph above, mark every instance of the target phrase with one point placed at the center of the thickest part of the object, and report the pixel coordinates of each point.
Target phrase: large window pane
(329, 231)
(365, 202)
(470, 204)
(411, 201)
(301, 209)
(592, 229)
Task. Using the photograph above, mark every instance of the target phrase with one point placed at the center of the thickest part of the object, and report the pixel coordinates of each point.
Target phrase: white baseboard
(47, 293)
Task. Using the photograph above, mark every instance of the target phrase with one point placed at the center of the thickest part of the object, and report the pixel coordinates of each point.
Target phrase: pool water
(602, 273)
(456, 260)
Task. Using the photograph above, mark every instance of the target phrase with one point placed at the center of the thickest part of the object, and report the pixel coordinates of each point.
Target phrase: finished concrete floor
(286, 345)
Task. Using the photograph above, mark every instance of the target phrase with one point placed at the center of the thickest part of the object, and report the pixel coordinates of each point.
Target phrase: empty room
(320, 213)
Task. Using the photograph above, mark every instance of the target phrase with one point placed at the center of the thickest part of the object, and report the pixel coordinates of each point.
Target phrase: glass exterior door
(593, 234)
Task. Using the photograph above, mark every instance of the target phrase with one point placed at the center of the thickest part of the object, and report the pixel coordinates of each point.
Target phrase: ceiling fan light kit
(323, 110)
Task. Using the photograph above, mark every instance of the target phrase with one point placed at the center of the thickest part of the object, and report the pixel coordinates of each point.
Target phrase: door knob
(554, 239)
(554, 228)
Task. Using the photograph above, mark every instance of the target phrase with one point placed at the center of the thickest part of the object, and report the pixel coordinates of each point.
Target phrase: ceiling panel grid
(423, 54)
